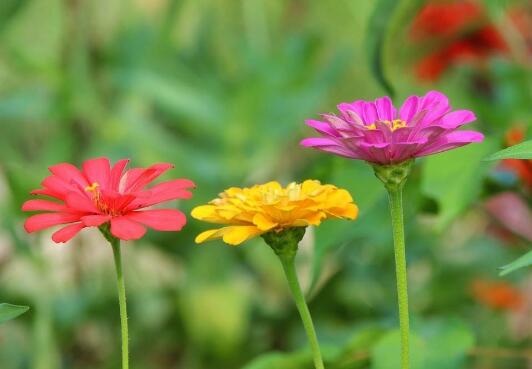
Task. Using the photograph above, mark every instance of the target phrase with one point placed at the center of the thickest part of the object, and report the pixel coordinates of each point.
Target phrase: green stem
(396, 209)
(115, 243)
(288, 262)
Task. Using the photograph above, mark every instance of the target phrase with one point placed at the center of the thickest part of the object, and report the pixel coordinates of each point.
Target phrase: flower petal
(385, 108)
(457, 119)
(126, 229)
(116, 174)
(233, 235)
(160, 219)
(97, 171)
(164, 191)
(65, 234)
(69, 173)
(95, 220)
(42, 205)
(263, 222)
(42, 221)
(451, 141)
(76, 201)
(135, 179)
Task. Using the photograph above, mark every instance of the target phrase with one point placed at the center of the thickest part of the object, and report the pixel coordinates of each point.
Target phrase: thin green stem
(396, 209)
(288, 262)
(115, 243)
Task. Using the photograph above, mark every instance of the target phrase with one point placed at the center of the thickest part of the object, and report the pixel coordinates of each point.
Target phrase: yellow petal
(203, 211)
(263, 222)
(238, 234)
(208, 235)
(233, 235)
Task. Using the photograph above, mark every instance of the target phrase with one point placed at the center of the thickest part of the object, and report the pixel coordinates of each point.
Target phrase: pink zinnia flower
(376, 132)
(100, 194)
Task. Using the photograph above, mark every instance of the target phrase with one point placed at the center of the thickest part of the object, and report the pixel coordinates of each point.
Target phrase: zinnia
(100, 194)
(249, 212)
(376, 132)
(280, 215)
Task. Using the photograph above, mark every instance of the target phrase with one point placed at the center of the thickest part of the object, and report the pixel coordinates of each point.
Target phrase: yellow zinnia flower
(249, 212)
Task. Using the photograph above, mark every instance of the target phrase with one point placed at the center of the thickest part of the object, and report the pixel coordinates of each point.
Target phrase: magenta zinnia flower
(100, 194)
(376, 132)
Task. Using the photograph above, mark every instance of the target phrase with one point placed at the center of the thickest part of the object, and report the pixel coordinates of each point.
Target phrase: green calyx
(394, 175)
(106, 231)
(284, 243)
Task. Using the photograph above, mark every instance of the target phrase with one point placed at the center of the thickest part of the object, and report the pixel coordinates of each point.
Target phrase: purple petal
(434, 103)
(330, 146)
(457, 119)
(370, 113)
(322, 127)
(385, 108)
(409, 108)
(451, 141)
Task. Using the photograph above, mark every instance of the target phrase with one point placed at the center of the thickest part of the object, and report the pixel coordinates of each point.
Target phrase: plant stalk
(115, 243)
(396, 209)
(288, 262)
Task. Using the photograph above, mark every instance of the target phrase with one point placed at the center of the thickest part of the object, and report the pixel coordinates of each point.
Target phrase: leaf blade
(521, 262)
(9, 311)
(522, 150)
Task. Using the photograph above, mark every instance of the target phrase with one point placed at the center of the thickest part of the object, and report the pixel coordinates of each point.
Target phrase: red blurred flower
(497, 295)
(100, 194)
(462, 31)
(444, 19)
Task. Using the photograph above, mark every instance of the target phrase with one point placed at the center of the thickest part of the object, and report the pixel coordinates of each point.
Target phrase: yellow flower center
(93, 187)
(394, 124)
(97, 199)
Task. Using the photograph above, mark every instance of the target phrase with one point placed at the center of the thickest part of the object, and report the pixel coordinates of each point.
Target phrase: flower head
(497, 295)
(376, 132)
(100, 194)
(249, 212)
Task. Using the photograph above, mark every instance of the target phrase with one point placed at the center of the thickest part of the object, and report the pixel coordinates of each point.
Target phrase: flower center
(97, 198)
(393, 125)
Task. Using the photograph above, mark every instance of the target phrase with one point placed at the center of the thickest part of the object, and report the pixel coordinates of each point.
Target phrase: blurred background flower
(221, 89)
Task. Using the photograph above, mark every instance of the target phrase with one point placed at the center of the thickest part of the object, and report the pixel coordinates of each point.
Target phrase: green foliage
(9, 311)
(522, 150)
(521, 262)
(462, 165)
(438, 345)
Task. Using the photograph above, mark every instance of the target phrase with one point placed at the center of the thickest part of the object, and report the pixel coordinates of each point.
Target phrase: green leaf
(387, 352)
(523, 261)
(299, 360)
(439, 344)
(519, 151)
(453, 179)
(8, 311)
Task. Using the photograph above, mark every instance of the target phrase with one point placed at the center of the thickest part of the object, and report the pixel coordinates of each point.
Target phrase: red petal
(116, 174)
(80, 202)
(42, 221)
(65, 234)
(162, 192)
(135, 179)
(46, 192)
(98, 171)
(160, 219)
(69, 173)
(42, 205)
(126, 229)
(56, 186)
(95, 220)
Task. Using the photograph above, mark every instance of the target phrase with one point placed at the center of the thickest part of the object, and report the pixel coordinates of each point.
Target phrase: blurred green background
(222, 88)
